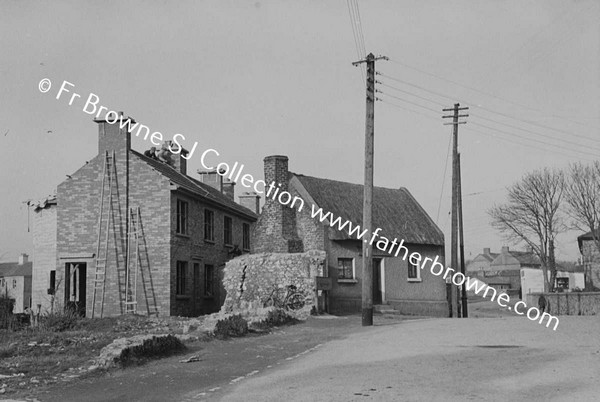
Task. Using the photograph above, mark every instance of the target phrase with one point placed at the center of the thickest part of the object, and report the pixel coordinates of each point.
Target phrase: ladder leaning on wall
(99, 283)
(133, 236)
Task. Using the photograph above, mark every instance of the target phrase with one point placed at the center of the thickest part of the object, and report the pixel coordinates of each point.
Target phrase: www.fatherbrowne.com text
(234, 172)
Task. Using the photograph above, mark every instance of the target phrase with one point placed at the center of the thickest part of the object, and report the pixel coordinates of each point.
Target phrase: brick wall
(44, 251)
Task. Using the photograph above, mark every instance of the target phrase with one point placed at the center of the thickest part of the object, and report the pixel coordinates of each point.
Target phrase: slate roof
(395, 211)
(14, 269)
(490, 257)
(196, 187)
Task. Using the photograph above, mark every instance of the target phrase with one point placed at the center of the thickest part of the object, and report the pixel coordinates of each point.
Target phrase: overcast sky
(256, 78)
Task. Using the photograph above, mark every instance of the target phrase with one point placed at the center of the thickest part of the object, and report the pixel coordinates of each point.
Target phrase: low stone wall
(570, 303)
(250, 280)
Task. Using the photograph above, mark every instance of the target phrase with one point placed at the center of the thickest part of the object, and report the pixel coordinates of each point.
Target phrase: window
(228, 230)
(345, 268)
(181, 276)
(209, 225)
(14, 283)
(52, 279)
(209, 277)
(182, 217)
(246, 236)
(414, 273)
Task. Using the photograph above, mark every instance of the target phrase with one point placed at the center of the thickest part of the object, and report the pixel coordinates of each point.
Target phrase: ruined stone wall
(250, 280)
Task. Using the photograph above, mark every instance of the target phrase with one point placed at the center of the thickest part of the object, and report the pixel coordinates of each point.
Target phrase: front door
(75, 287)
(377, 288)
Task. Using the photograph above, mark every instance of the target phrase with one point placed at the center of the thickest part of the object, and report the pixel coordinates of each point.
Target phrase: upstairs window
(182, 217)
(228, 230)
(246, 237)
(209, 225)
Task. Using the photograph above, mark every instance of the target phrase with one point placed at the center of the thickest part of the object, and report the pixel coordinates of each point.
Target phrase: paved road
(222, 364)
(489, 359)
(484, 359)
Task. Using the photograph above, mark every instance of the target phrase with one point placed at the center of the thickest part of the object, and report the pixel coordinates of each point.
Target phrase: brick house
(186, 231)
(44, 250)
(396, 282)
(15, 282)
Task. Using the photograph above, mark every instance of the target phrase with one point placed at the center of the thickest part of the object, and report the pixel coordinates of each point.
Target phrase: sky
(258, 78)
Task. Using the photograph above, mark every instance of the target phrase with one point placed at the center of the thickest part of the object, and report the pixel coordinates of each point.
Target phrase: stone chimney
(276, 227)
(504, 250)
(250, 200)
(23, 259)
(211, 178)
(229, 189)
(486, 251)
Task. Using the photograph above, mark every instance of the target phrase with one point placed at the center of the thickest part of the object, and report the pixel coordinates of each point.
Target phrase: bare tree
(582, 193)
(532, 215)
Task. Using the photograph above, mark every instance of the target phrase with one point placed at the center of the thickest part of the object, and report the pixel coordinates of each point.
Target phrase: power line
(491, 111)
(356, 40)
(538, 134)
(404, 100)
(481, 91)
(533, 139)
(443, 179)
(387, 102)
(410, 93)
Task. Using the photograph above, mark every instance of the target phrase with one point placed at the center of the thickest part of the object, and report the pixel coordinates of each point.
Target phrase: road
(489, 359)
(483, 359)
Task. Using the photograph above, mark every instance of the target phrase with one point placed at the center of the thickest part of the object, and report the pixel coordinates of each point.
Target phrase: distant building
(590, 257)
(481, 263)
(135, 233)
(520, 272)
(397, 282)
(15, 282)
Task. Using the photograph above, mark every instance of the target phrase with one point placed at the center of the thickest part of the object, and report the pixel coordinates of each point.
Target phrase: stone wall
(571, 303)
(250, 280)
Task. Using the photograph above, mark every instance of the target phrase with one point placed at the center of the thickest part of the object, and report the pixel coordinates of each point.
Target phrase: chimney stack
(504, 250)
(212, 178)
(250, 200)
(486, 251)
(110, 135)
(23, 259)
(228, 189)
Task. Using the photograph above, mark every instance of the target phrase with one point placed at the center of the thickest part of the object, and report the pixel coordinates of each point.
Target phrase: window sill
(349, 281)
(182, 297)
(185, 236)
(209, 241)
(415, 280)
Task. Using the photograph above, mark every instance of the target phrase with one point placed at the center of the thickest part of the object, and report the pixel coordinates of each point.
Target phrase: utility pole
(465, 307)
(454, 230)
(367, 249)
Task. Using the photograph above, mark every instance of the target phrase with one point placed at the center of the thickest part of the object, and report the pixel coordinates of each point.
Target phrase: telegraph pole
(454, 230)
(367, 249)
(465, 307)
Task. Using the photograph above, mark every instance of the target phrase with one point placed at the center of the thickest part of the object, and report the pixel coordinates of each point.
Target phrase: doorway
(75, 287)
(377, 281)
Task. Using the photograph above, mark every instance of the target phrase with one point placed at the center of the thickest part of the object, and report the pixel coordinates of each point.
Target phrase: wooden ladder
(133, 246)
(99, 283)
